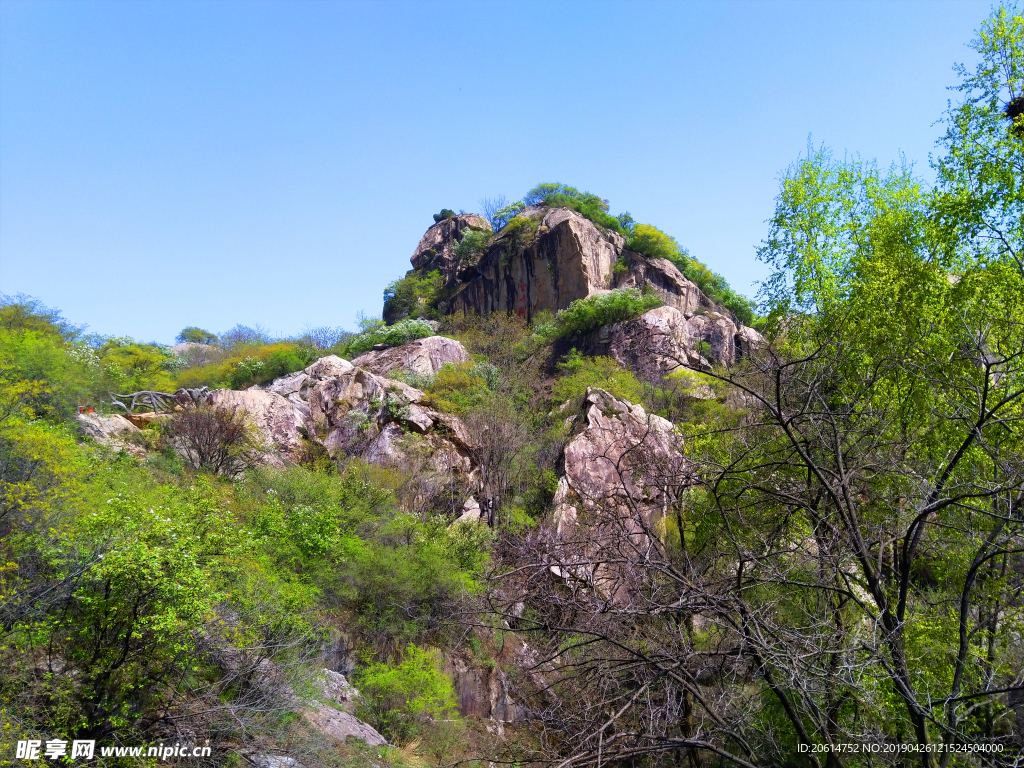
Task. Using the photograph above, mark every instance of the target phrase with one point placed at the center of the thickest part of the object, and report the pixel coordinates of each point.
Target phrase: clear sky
(165, 164)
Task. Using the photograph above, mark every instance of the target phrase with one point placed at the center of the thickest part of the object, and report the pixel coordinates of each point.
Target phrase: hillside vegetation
(824, 548)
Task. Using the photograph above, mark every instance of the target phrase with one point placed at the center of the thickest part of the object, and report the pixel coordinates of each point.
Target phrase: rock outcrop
(104, 429)
(664, 340)
(279, 422)
(550, 257)
(351, 410)
(619, 459)
(566, 258)
(423, 357)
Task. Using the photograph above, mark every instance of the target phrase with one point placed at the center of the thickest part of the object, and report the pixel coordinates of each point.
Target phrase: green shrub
(376, 332)
(446, 213)
(651, 241)
(472, 246)
(249, 364)
(412, 295)
(582, 372)
(584, 315)
(506, 213)
(195, 335)
(519, 232)
(586, 204)
(458, 387)
(400, 698)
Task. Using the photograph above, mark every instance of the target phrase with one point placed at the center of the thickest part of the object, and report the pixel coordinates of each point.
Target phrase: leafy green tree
(195, 335)
(472, 246)
(980, 194)
(404, 695)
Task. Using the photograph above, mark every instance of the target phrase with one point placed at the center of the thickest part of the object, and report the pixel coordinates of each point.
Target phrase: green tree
(980, 195)
(404, 695)
(195, 335)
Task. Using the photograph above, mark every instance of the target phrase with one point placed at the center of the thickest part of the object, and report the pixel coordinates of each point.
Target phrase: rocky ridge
(549, 257)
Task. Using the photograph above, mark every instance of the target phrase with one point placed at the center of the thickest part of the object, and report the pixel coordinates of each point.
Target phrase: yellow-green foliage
(651, 241)
(401, 697)
(412, 295)
(132, 367)
(582, 372)
(456, 388)
(584, 315)
(246, 365)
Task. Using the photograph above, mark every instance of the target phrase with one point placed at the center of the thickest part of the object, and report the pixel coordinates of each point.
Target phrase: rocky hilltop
(546, 258)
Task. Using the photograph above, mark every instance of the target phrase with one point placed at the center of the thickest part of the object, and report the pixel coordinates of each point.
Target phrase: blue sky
(165, 164)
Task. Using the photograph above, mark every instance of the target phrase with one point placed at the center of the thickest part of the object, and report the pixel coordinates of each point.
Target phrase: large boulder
(619, 459)
(104, 429)
(664, 340)
(278, 421)
(423, 357)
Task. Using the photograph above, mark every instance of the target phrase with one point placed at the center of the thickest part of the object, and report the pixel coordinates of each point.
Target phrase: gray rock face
(423, 357)
(568, 258)
(279, 422)
(352, 410)
(564, 256)
(339, 724)
(103, 429)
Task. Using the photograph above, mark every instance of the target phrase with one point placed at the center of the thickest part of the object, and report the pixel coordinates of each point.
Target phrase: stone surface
(104, 428)
(482, 692)
(276, 761)
(278, 421)
(652, 346)
(145, 420)
(666, 280)
(569, 258)
(423, 357)
(341, 725)
(328, 367)
(663, 340)
(336, 687)
(350, 409)
(619, 457)
(470, 512)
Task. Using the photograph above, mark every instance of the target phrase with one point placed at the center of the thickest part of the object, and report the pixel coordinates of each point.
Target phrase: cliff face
(558, 258)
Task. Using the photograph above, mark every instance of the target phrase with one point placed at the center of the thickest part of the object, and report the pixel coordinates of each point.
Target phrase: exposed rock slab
(664, 340)
(341, 725)
(436, 249)
(279, 422)
(104, 428)
(423, 357)
(621, 457)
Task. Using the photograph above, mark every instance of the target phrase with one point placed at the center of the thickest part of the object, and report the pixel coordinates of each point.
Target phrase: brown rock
(663, 340)
(652, 346)
(568, 259)
(144, 420)
(423, 357)
(621, 457)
